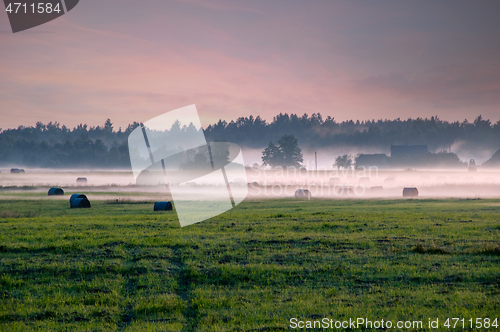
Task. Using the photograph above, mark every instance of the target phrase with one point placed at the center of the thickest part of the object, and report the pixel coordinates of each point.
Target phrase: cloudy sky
(133, 60)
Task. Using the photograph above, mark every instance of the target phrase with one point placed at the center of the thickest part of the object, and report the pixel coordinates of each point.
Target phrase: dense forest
(53, 145)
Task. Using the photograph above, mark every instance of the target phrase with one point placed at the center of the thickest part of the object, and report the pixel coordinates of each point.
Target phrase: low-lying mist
(272, 183)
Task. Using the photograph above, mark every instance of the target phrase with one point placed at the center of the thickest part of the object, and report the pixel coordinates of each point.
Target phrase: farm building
(378, 160)
(408, 150)
(494, 161)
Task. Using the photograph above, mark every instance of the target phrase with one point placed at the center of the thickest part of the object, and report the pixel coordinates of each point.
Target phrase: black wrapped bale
(410, 192)
(55, 192)
(302, 193)
(79, 203)
(163, 206)
(75, 196)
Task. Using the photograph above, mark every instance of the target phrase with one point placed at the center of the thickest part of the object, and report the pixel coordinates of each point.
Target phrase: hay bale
(163, 206)
(364, 180)
(55, 192)
(79, 203)
(335, 180)
(390, 180)
(75, 196)
(302, 193)
(489, 180)
(410, 192)
(376, 189)
(81, 180)
(240, 181)
(346, 191)
(441, 179)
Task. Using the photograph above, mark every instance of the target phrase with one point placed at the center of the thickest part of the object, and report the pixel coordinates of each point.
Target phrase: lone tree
(285, 152)
(344, 161)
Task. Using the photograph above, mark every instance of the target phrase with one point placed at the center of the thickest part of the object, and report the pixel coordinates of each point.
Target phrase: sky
(134, 60)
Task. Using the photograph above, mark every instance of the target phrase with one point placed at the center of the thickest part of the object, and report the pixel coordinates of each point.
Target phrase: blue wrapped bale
(75, 196)
(55, 192)
(79, 203)
(163, 206)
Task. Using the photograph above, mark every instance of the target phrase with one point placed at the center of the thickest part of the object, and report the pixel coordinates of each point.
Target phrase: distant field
(121, 266)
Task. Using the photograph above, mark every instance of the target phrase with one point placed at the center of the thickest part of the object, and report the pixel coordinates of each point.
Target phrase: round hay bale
(364, 180)
(441, 179)
(302, 193)
(335, 180)
(81, 180)
(75, 196)
(79, 203)
(163, 206)
(390, 180)
(55, 192)
(240, 181)
(348, 191)
(376, 189)
(489, 180)
(469, 179)
(410, 192)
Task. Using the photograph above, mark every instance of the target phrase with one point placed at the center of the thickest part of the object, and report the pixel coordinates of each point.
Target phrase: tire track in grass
(184, 291)
(128, 314)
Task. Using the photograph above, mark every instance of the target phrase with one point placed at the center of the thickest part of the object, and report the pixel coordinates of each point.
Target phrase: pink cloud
(340, 60)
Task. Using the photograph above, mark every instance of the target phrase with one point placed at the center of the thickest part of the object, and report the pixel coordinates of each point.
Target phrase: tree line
(55, 145)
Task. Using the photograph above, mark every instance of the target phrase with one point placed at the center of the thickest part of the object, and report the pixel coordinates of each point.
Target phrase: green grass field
(124, 267)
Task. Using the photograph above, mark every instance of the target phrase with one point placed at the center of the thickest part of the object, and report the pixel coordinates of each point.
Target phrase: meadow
(120, 266)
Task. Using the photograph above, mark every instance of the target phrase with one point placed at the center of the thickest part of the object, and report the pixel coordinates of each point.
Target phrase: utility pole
(316, 160)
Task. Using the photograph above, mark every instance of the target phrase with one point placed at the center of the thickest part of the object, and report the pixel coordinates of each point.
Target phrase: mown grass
(125, 267)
